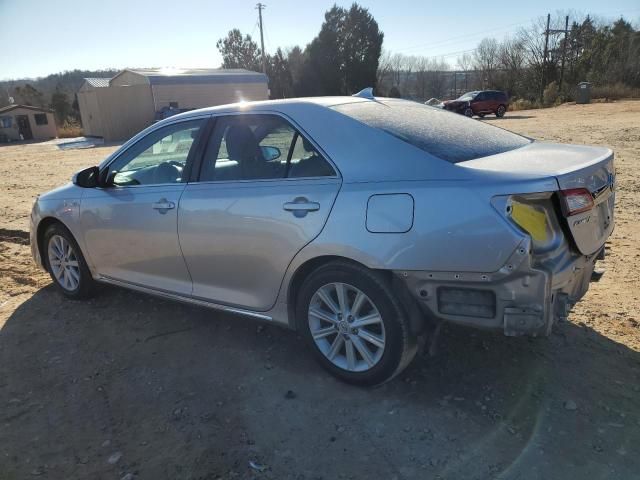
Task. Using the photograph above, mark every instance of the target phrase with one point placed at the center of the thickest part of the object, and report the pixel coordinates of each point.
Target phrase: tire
(76, 283)
(375, 364)
(500, 111)
(468, 112)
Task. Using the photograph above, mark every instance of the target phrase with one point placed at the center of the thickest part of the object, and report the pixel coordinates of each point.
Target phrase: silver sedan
(364, 223)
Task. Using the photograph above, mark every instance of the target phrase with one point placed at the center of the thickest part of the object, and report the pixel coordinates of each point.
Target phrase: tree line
(347, 55)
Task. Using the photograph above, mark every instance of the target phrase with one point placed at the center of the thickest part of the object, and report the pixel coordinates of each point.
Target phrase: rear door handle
(163, 205)
(301, 206)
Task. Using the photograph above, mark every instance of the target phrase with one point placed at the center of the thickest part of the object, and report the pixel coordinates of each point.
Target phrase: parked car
(479, 103)
(362, 223)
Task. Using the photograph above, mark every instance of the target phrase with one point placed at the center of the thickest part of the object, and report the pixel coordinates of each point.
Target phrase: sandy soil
(127, 386)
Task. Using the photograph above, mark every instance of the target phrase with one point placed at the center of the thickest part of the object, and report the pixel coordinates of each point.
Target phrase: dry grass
(70, 130)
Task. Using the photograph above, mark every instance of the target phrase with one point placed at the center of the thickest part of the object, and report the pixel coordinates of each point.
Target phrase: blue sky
(46, 36)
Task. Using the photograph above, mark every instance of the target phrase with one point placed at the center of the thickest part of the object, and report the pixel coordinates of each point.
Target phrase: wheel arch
(408, 303)
(43, 225)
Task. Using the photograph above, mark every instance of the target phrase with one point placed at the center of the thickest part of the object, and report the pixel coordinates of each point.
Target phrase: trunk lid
(573, 166)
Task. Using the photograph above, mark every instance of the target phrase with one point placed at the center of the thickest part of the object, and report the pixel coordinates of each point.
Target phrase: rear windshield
(446, 135)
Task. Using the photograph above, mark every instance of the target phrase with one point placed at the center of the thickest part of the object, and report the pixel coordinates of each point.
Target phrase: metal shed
(117, 108)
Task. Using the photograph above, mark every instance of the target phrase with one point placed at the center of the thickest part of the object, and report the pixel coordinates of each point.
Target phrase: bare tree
(512, 61)
(465, 62)
(485, 59)
(384, 70)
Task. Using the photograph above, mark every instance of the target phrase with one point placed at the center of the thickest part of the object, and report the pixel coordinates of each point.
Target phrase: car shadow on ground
(126, 383)
(510, 117)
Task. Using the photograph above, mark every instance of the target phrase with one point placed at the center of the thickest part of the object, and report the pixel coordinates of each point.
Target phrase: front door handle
(163, 205)
(301, 206)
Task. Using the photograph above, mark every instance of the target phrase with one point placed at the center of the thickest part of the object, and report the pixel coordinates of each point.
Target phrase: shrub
(614, 92)
(522, 104)
(70, 130)
(550, 94)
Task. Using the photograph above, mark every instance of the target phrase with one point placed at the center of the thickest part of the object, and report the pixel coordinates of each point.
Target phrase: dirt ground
(127, 386)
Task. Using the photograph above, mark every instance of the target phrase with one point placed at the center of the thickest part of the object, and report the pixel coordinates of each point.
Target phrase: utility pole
(544, 59)
(545, 67)
(564, 49)
(260, 6)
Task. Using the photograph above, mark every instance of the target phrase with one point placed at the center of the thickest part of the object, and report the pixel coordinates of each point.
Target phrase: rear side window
(449, 136)
(260, 147)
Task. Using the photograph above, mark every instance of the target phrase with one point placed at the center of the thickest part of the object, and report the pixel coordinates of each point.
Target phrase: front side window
(259, 147)
(160, 157)
(41, 119)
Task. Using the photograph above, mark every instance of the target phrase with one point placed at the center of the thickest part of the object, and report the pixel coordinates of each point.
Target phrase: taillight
(576, 200)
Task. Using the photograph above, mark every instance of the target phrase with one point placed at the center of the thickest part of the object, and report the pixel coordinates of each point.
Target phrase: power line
(462, 37)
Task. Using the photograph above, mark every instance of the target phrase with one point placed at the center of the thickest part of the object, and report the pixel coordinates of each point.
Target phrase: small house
(24, 122)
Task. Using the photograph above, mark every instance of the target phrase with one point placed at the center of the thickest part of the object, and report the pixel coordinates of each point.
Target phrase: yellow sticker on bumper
(532, 220)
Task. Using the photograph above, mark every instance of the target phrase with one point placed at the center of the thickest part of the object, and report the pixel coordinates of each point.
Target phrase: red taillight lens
(576, 200)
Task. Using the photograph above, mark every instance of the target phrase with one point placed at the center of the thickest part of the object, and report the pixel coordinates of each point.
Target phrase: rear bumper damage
(525, 297)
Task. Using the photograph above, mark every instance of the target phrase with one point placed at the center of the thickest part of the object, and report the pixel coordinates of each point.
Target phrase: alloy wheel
(347, 327)
(64, 263)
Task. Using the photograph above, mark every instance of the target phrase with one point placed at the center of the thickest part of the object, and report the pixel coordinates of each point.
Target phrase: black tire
(86, 284)
(400, 345)
(500, 111)
(468, 112)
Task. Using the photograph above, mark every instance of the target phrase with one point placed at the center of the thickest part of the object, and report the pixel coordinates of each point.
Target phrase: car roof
(282, 105)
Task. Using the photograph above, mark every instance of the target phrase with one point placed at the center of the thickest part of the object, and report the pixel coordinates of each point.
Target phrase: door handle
(163, 205)
(301, 206)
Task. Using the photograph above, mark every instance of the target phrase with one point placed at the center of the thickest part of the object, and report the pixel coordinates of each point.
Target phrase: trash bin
(584, 93)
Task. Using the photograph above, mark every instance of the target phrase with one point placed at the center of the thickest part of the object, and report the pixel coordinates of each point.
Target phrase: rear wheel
(351, 319)
(66, 264)
(500, 111)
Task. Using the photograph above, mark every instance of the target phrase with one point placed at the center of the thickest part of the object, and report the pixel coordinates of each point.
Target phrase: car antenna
(368, 94)
(365, 93)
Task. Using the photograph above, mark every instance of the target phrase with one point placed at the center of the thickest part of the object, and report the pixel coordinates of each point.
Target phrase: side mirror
(87, 178)
(270, 153)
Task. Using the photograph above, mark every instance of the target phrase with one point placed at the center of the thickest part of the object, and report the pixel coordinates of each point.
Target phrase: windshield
(443, 134)
(468, 96)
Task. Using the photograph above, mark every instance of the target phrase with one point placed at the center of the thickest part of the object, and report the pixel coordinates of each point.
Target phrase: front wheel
(66, 264)
(350, 318)
(500, 111)
(468, 112)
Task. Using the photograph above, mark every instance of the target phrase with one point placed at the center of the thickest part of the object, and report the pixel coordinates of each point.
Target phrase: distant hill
(43, 88)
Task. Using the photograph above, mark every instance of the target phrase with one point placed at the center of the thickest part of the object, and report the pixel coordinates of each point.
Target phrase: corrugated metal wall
(116, 113)
(127, 106)
(190, 96)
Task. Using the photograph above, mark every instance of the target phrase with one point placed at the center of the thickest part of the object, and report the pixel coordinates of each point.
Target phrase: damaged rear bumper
(525, 297)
